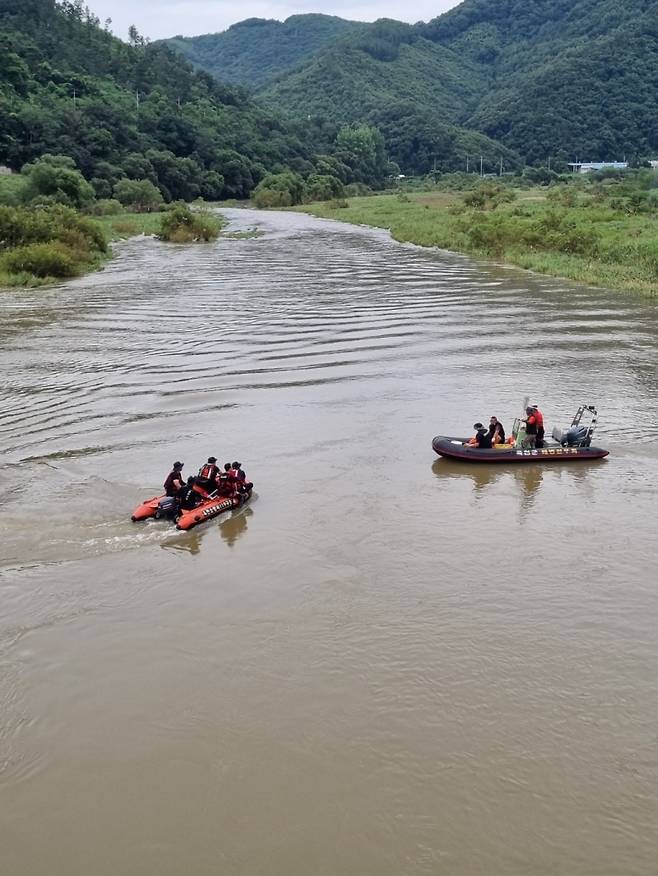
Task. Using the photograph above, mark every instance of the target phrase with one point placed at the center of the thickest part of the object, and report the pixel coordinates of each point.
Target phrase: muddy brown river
(386, 665)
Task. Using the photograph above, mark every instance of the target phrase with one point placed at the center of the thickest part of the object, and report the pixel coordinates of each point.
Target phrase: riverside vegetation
(600, 230)
(103, 127)
(52, 227)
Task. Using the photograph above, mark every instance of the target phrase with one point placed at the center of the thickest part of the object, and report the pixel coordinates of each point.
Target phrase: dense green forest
(571, 78)
(385, 74)
(136, 111)
(567, 79)
(257, 50)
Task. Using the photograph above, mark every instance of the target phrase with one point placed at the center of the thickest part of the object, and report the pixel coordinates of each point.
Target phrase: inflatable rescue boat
(570, 445)
(160, 507)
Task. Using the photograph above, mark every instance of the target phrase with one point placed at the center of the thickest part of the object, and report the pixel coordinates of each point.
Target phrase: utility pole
(467, 164)
(481, 167)
(549, 162)
(501, 165)
(75, 94)
(137, 99)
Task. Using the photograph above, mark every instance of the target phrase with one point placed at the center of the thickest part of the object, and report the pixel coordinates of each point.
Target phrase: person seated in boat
(188, 496)
(174, 481)
(224, 487)
(244, 486)
(230, 477)
(496, 431)
(207, 477)
(235, 476)
(481, 439)
(530, 423)
(539, 418)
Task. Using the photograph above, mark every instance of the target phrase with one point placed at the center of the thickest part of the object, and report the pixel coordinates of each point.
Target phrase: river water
(387, 664)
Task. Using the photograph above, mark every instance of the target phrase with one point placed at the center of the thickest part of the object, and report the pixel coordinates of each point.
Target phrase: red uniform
(539, 420)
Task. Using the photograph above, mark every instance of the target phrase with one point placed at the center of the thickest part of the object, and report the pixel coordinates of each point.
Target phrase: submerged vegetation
(599, 230)
(179, 224)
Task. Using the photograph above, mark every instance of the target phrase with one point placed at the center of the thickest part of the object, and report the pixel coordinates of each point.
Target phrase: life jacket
(223, 484)
(539, 418)
(208, 471)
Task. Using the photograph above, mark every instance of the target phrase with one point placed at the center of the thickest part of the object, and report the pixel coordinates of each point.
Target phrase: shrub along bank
(179, 224)
(43, 245)
(603, 235)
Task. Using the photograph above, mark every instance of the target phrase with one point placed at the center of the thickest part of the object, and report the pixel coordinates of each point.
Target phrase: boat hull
(211, 508)
(453, 448)
(205, 510)
(146, 509)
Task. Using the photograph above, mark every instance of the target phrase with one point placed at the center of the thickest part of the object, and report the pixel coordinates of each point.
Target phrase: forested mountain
(567, 78)
(257, 50)
(386, 74)
(367, 70)
(69, 87)
(577, 78)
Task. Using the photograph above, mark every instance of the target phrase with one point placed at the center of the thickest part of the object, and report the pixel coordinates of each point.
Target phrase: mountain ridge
(523, 72)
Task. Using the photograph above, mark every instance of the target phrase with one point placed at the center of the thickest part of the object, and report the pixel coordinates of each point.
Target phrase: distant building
(587, 166)
(654, 164)
(4, 170)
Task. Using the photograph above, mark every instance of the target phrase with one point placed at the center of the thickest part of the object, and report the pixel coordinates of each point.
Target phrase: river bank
(582, 237)
(51, 245)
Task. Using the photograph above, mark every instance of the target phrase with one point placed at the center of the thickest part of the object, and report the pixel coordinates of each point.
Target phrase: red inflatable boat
(208, 507)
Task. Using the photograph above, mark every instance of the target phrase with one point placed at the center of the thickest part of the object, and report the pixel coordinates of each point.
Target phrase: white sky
(165, 18)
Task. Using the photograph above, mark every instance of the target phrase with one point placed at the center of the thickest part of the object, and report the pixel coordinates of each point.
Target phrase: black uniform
(483, 439)
(501, 432)
(174, 475)
(188, 497)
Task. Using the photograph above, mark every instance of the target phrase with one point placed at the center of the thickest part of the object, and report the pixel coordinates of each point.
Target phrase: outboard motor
(167, 507)
(577, 436)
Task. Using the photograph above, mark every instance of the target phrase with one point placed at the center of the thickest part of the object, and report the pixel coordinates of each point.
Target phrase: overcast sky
(164, 18)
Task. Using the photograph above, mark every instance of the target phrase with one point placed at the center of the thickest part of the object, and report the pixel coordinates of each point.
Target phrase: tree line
(137, 112)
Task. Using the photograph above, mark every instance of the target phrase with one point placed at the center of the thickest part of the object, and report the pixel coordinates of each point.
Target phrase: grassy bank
(594, 237)
(124, 225)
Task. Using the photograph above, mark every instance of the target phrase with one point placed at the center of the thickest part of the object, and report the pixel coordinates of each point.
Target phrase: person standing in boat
(481, 439)
(539, 418)
(530, 440)
(174, 481)
(496, 431)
